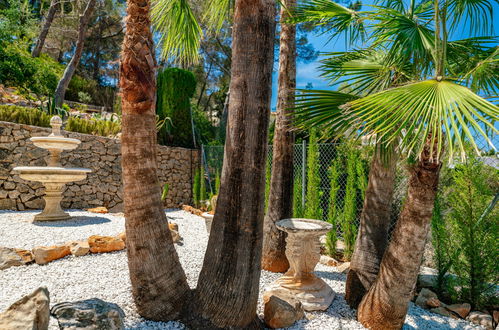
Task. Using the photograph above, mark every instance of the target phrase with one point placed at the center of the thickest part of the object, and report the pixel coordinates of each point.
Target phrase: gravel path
(105, 276)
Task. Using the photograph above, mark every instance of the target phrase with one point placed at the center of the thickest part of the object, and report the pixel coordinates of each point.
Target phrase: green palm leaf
(179, 29)
(322, 109)
(332, 17)
(447, 112)
(217, 13)
(476, 14)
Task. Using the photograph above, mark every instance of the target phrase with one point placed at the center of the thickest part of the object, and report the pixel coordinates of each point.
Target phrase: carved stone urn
(303, 253)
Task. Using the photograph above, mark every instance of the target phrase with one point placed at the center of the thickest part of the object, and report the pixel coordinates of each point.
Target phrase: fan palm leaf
(443, 110)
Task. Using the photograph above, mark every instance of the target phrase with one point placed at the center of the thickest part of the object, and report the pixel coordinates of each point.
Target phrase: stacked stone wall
(103, 187)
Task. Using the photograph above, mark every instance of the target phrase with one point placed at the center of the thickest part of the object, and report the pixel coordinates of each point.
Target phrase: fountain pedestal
(54, 176)
(303, 253)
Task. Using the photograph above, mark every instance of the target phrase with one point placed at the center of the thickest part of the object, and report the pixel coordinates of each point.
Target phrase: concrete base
(53, 210)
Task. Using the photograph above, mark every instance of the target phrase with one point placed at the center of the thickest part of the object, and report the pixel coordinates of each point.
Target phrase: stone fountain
(303, 253)
(53, 176)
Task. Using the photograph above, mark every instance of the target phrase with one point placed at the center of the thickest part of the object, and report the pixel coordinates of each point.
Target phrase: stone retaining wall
(102, 187)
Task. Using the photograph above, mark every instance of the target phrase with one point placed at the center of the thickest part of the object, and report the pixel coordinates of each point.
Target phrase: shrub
(474, 232)
(297, 196)
(440, 242)
(348, 224)
(196, 188)
(93, 126)
(23, 115)
(175, 89)
(313, 208)
(332, 218)
(202, 185)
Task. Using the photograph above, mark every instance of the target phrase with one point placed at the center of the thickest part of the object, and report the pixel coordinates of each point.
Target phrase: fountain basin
(54, 179)
(55, 142)
(52, 174)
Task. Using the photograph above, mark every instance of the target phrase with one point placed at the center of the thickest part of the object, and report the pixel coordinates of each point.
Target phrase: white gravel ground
(105, 276)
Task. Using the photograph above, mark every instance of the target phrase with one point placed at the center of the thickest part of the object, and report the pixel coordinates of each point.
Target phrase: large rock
(483, 319)
(30, 312)
(280, 313)
(328, 261)
(90, 314)
(460, 309)
(99, 244)
(79, 248)
(46, 254)
(424, 296)
(9, 258)
(441, 311)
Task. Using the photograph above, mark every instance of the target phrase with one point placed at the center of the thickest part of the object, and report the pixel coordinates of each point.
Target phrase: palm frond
(475, 14)
(322, 109)
(446, 112)
(365, 71)
(217, 12)
(180, 33)
(334, 18)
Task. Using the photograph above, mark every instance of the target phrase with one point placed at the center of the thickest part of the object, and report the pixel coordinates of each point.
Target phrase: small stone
(122, 236)
(483, 319)
(90, 314)
(441, 311)
(30, 312)
(424, 296)
(26, 256)
(460, 309)
(99, 244)
(433, 303)
(328, 261)
(46, 254)
(173, 226)
(100, 209)
(175, 236)
(280, 313)
(79, 248)
(343, 268)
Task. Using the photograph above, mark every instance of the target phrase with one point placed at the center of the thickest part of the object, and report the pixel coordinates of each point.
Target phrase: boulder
(100, 209)
(30, 312)
(424, 296)
(26, 256)
(433, 303)
(441, 311)
(9, 258)
(480, 318)
(175, 236)
(99, 244)
(343, 268)
(280, 313)
(460, 309)
(79, 248)
(46, 254)
(328, 261)
(90, 314)
(122, 236)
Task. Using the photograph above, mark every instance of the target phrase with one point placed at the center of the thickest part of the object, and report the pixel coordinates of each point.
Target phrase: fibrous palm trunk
(386, 303)
(73, 63)
(281, 183)
(227, 291)
(159, 284)
(54, 4)
(372, 238)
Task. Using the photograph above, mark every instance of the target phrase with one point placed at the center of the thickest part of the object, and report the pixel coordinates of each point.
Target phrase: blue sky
(308, 73)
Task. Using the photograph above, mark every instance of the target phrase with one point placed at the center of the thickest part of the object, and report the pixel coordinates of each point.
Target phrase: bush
(473, 232)
(313, 208)
(332, 217)
(23, 115)
(175, 89)
(348, 223)
(17, 68)
(196, 188)
(93, 126)
(297, 197)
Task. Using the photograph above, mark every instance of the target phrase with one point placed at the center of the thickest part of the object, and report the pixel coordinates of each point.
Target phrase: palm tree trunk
(386, 303)
(281, 183)
(45, 28)
(159, 285)
(372, 238)
(71, 67)
(228, 285)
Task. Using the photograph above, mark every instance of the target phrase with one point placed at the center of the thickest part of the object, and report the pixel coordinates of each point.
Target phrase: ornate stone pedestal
(303, 253)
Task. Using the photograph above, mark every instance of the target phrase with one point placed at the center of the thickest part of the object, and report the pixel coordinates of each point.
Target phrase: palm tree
(280, 205)
(159, 285)
(425, 117)
(227, 292)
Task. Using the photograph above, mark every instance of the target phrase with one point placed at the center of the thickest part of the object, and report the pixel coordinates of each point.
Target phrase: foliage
(297, 197)
(175, 88)
(313, 208)
(474, 233)
(17, 68)
(93, 126)
(202, 185)
(332, 217)
(164, 191)
(17, 21)
(84, 97)
(23, 115)
(268, 176)
(440, 242)
(196, 188)
(349, 216)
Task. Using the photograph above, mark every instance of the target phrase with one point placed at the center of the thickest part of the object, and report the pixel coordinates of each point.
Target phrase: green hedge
(22, 115)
